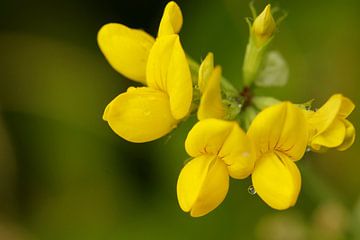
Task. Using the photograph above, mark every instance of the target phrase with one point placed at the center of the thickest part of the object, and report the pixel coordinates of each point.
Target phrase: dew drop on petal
(251, 190)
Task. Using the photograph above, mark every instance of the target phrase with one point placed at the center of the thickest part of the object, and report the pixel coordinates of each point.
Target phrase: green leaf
(275, 71)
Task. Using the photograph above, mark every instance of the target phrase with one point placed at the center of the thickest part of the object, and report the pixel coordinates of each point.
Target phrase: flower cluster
(276, 133)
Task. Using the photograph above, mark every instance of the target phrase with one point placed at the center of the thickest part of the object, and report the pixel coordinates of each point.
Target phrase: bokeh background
(65, 175)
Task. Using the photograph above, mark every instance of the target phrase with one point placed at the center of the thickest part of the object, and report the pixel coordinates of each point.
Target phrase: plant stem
(252, 61)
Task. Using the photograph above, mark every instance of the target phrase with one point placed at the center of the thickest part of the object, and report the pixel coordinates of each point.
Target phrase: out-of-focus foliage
(65, 175)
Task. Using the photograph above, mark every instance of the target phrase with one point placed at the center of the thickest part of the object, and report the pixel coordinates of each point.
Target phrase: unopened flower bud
(264, 26)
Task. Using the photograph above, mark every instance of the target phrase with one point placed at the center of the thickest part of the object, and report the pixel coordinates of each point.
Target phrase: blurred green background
(65, 175)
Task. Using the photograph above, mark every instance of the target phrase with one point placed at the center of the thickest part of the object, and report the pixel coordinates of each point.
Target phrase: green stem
(253, 57)
(252, 62)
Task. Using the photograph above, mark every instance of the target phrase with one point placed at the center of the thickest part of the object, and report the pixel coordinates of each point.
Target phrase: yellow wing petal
(191, 179)
(328, 127)
(171, 20)
(238, 153)
(210, 102)
(207, 136)
(281, 127)
(332, 137)
(126, 49)
(205, 70)
(168, 71)
(202, 185)
(140, 115)
(347, 106)
(326, 115)
(277, 180)
(349, 137)
(213, 191)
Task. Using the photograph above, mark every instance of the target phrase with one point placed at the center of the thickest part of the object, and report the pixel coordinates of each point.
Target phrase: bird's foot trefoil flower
(219, 149)
(328, 126)
(147, 113)
(238, 133)
(280, 136)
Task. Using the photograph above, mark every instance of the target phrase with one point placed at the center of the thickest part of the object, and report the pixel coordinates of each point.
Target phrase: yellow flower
(209, 84)
(329, 128)
(280, 137)
(219, 149)
(264, 26)
(146, 113)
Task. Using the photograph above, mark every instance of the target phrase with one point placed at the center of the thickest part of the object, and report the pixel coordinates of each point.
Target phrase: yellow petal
(238, 153)
(211, 103)
(332, 137)
(207, 136)
(205, 70)
(277, 180)
(327, 127)
(281, 127)
(202, 185)
(213, 191)
(347, 106)
(171, 20)
(126, 49)
(349, 137)
(325, 116)
(168, 71)
(140, 115)
(191, 179)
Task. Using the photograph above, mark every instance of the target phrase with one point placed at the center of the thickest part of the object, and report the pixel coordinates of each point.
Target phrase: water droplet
(308, 149)
(251, 190)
